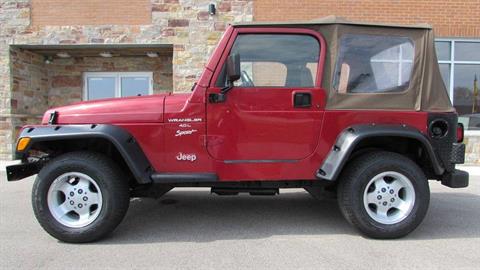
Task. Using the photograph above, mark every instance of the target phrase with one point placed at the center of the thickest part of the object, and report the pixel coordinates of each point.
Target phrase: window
(373, 63)
(459, 62)
(99, 85)
(276, 60)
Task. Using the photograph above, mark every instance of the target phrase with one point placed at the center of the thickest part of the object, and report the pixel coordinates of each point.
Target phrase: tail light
(460, 132)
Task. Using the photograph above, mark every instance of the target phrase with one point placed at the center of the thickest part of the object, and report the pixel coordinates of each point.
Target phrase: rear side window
(373, 64)
(276, 60)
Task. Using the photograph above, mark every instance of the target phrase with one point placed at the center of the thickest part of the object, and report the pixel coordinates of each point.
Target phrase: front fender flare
(350, 137)
(125, 143)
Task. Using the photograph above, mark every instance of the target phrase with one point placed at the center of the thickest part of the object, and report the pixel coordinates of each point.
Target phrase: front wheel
(383, 194)
(80, 197)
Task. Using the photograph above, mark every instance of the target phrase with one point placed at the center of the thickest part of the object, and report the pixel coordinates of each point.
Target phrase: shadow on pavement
(197, 216)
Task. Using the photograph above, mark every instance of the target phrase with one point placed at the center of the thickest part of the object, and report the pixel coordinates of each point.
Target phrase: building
(54, 52)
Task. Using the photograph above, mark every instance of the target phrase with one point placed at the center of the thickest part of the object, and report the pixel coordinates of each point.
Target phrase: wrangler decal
(180, 120)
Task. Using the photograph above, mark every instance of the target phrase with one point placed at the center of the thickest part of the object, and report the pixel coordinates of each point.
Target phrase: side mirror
(233, 67)
(233, 74)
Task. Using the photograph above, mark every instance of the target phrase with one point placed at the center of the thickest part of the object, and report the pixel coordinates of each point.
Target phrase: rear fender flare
(350, 137)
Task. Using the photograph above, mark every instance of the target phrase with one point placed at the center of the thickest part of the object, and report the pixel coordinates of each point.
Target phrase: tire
(384, 195)
(80, 197)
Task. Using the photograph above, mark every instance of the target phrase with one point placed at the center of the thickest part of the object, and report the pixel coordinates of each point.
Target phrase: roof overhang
(94, 50)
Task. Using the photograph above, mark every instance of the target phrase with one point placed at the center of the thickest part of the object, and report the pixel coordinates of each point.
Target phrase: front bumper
(20, 171)
(455, 179)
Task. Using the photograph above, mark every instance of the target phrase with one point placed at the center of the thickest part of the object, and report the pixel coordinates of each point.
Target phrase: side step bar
(174, 178)
(253, 191)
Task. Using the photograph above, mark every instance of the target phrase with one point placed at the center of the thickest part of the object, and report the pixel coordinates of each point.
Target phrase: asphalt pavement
(193, 229)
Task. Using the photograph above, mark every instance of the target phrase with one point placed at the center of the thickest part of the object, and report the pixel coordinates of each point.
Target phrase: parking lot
(192, 229)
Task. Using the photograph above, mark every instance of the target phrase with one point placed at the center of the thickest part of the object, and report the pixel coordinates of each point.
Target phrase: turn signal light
(460, 132)
(23, 143)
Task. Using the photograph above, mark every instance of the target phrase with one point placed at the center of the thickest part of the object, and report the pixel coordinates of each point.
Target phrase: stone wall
(37, 86)
(14, 17)
(29, 81)
(66, 75)
(29, 93)
(184, 23)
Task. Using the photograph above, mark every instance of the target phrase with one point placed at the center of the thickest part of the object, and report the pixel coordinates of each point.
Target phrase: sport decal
(185, 132)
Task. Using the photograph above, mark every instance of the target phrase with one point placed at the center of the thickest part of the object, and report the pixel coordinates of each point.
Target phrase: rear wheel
(80, 197)
(383, 194)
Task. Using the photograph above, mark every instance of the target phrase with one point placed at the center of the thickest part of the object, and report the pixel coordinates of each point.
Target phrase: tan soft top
(332, 20)
(426, 90)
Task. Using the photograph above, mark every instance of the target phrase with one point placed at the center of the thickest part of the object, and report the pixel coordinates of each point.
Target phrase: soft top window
(373, 64)
(276, 60)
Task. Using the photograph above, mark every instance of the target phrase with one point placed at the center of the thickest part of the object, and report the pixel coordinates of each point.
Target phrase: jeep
(335, 107)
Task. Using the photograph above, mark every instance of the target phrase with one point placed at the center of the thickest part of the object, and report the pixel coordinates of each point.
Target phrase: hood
(142, 109)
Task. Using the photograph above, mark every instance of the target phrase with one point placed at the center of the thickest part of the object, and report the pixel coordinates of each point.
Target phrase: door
(274, 112)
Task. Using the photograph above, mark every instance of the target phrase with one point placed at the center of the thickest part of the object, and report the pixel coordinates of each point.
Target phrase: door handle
(302, 100)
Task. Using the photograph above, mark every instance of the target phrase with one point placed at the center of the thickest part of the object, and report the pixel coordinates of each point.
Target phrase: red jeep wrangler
(329, 106)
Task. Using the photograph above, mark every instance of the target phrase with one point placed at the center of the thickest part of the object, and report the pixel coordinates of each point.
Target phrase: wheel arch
(359, 139)
(112, 141)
